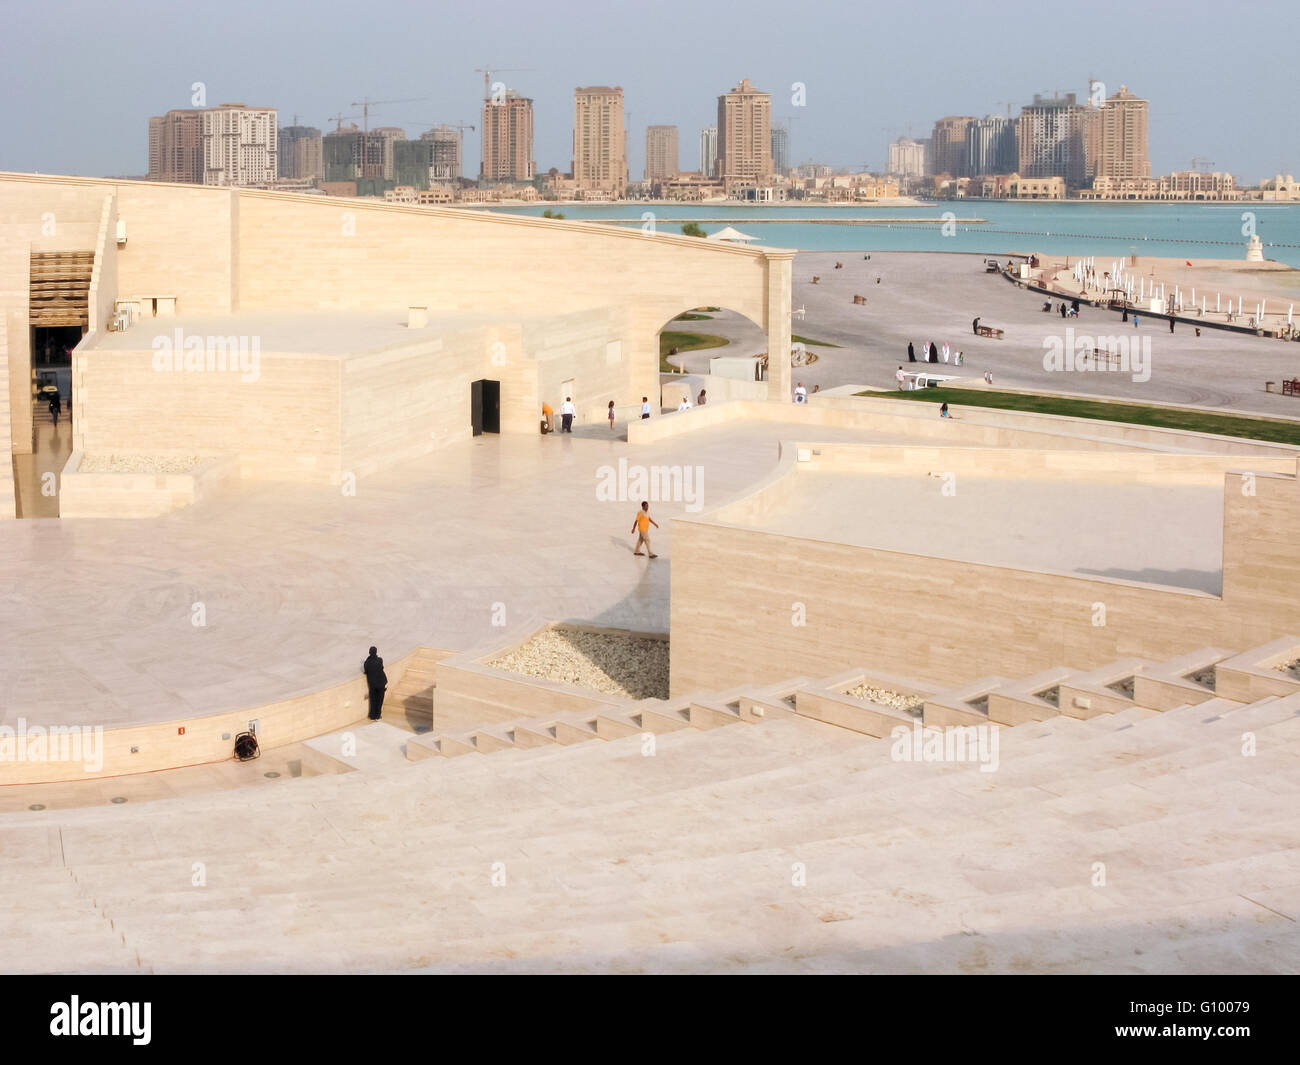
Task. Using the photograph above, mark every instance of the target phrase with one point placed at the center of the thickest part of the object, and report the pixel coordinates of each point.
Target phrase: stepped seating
(796, 846)
(1171, 684)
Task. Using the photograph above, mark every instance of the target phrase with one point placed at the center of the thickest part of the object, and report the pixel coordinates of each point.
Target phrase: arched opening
(711, 350)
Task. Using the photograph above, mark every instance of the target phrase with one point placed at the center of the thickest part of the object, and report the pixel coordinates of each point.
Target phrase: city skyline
(838, 121)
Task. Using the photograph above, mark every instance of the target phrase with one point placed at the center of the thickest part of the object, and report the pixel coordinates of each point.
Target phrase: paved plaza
(296, 580)
(933, 297)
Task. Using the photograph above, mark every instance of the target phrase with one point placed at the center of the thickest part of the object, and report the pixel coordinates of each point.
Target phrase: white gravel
(634, 667)
(113, 462)
(1292, 667)
(911, 704)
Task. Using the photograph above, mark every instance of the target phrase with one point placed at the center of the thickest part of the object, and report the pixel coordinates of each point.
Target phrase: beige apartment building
(1053, 136)
(744, 136)
(948, 146)
(240, 145)
(1118, 137)
(907, 158)
(660, 153)
(508, 138)
(176, 147)
(599, 140)
(301, 153)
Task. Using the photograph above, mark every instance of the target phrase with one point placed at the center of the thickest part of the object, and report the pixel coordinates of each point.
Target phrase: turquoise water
(1208, 231)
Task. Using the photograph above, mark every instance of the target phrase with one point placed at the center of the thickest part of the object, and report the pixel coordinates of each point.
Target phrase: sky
(81, 78)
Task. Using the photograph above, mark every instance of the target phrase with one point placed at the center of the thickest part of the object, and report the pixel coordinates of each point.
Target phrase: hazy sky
(81, 77)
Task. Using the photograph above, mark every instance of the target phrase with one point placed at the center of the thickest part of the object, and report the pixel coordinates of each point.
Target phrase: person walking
(56, 408)
(975, 326)
(567, 411)
(1135, 321)
(645, 407)
(900, 377)
(943, 411)
(1125, 318)
(611, 415)
(685, 404)
(800, 393)
(1171, 325)
(947, 351)
(702, 398)
(641, 526)
(911, 352)
(376, 681)
(548, 419)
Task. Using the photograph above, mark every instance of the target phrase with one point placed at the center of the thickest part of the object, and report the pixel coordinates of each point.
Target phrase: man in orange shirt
(547, 415)
(641, 526)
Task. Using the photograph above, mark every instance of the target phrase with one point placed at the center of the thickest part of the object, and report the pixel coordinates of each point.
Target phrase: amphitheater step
(372, 746)
(1105, 690)
(1031, 699)
(967, 705)
(1171, 684)
(1254, 673)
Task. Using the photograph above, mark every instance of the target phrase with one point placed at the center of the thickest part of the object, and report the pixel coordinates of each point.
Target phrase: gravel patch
(1204, 677)
(1124, 687)
(115, 463)
(1292, 667)
(634, 667)
(911, 704)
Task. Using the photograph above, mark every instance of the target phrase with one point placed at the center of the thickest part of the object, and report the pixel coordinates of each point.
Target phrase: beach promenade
(924, 297)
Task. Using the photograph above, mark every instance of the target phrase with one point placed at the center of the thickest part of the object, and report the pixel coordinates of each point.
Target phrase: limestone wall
(735, 590)
(8, 505)
(285, 425)
(15, 287)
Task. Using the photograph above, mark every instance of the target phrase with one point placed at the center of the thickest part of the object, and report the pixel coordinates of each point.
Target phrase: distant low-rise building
(688, 187)
(1279, 188)
(1035, 188)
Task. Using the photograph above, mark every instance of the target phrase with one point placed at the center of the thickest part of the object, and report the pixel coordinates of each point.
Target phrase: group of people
(930, 353)
(1071, 311)
(567, 413)
(801, 393)
(686, 404)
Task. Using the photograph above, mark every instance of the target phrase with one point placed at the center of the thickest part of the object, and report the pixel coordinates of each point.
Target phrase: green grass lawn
(808, 342)
(685, 342)
(691, 316)
(1196, 421)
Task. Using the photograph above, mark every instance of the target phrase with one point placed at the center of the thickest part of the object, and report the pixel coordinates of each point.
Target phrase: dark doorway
(52, 360)
(485, 407)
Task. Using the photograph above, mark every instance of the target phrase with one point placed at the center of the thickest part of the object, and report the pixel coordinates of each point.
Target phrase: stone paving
(297, 581)
(933, 297)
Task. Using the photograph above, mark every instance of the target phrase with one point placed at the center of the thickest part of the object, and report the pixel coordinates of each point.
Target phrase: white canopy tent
(731, 234)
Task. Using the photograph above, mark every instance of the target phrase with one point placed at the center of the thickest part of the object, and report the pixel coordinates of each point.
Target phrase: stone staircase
(409, 704)
(1135, 839)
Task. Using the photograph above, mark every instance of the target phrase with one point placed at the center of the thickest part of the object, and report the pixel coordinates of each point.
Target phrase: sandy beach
(1217, 283)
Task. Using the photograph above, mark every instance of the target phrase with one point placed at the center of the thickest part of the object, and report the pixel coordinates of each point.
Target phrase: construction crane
(338, 121)
(487, 76)
(462, 126)
(1008, 104)
(1202, 164)
(365, 103)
